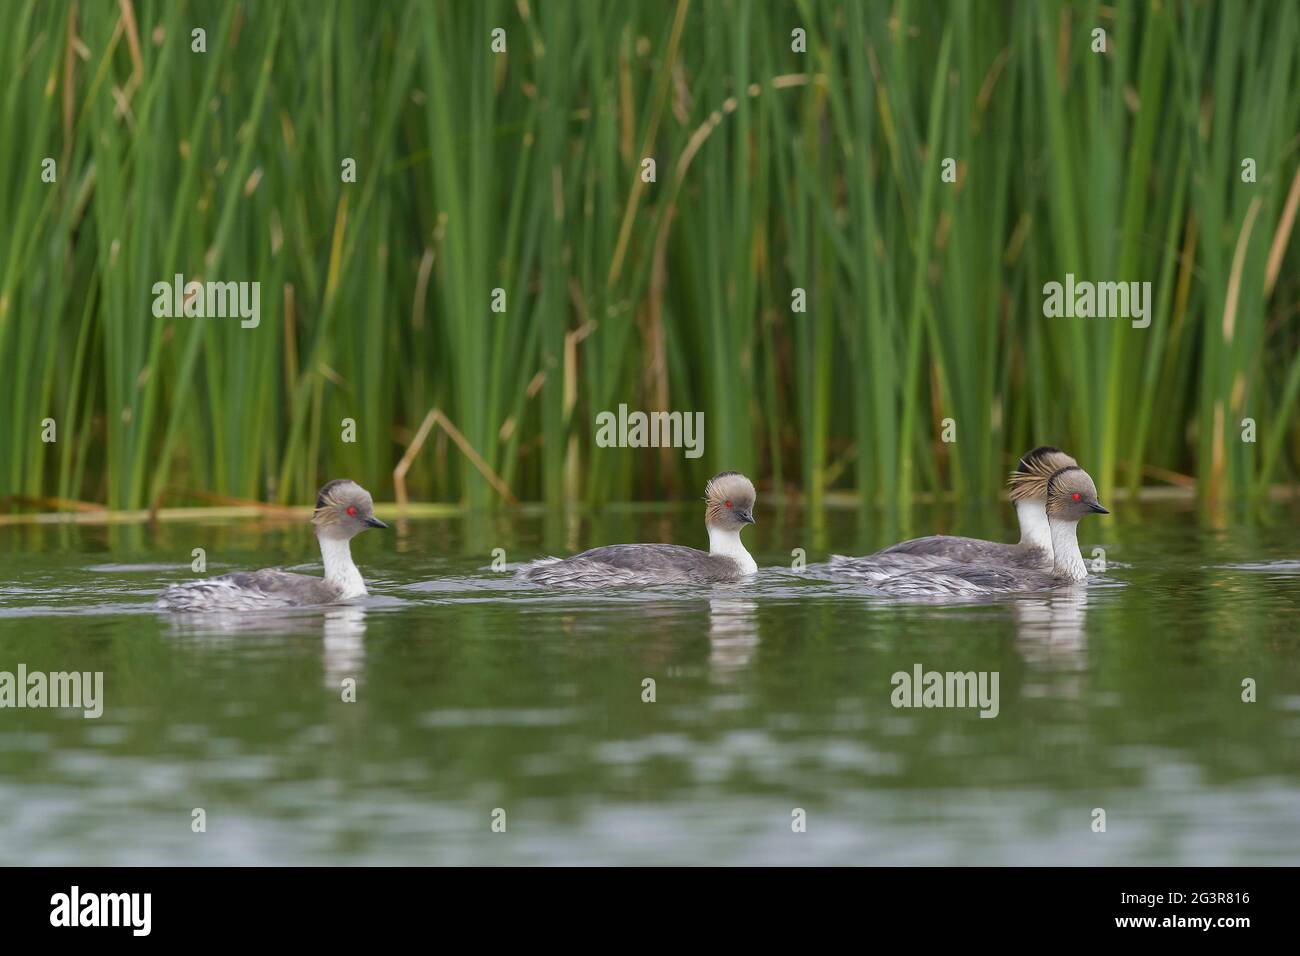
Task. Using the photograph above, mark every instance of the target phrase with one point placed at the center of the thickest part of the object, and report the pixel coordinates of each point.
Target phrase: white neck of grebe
(727, 544)
(339, 567)
(1034, 530)
(1067, 562)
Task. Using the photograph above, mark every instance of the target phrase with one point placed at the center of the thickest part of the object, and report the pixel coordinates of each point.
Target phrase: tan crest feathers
(1022, 486)
(729, 500)
(1068, 478)
(1030, 478)
(330, 490)
(727, 484)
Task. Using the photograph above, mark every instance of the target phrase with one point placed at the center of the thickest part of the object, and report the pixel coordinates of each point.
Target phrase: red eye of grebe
(353, 511)
(728, 504)
(1076, 496)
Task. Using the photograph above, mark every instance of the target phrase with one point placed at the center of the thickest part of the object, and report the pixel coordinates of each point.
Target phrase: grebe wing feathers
(646, 557)
(956, 548)
(249, 591)
(635, 564)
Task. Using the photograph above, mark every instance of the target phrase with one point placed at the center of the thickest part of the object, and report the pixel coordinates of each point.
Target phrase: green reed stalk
(776, 169)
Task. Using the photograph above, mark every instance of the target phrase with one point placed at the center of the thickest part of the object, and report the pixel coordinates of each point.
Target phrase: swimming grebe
(1034, 550)
(729, 506)
(1070, 495)
(343, 510)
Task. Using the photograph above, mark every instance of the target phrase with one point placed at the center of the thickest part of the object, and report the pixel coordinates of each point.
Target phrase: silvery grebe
(729, 506)
(1034, 550)
(343, 510)
(1071, 494)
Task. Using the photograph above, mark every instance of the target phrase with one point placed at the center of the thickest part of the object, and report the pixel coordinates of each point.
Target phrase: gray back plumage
(248, 591)
(635, 564)
(878, 567)
(973, 550)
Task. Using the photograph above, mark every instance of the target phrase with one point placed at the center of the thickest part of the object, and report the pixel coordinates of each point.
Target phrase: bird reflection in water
(733, 635)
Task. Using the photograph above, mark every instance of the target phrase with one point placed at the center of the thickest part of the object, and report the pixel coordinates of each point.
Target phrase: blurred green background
(775, 170)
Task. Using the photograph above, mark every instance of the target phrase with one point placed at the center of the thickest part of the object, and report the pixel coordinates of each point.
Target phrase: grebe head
(343, 510)
(1029, 494)
(1071, 495)
(1029, 481)
(729, 502)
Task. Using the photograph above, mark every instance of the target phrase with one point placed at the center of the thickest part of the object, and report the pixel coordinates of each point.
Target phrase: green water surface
(476, 694)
